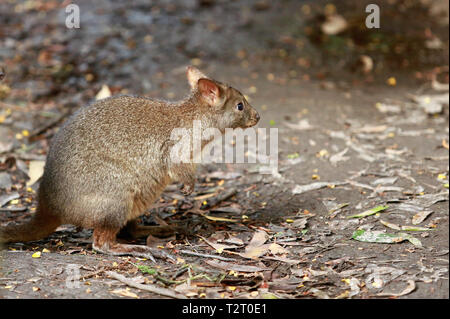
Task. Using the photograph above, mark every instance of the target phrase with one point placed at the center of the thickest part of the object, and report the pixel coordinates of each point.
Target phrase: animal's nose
(257, 116)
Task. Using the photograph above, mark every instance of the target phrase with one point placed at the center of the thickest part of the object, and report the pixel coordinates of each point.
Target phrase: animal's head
(230, 105)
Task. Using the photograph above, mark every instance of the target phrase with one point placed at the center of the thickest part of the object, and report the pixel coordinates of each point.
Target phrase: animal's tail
(40, 226)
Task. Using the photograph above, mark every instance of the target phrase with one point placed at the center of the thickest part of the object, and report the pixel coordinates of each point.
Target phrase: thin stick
(150, 288)
(219, 198)
(13, 209)
(12, 107)
(92, 274)
(49, 124)
(191, 253)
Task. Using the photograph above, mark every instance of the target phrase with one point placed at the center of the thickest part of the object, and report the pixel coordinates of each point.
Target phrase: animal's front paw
(187, 189)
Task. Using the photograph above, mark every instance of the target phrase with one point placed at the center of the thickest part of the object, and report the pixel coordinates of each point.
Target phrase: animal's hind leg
(134, 230)
(184, 173)
(105, 242)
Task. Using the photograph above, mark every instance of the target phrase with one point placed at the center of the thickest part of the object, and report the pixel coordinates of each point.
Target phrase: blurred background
(141, 46)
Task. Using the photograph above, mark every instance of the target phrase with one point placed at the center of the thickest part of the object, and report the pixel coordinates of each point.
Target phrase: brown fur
(110, 161)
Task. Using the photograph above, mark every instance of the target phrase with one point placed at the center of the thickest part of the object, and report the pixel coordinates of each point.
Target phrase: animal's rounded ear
(193, 75)
(209, 90)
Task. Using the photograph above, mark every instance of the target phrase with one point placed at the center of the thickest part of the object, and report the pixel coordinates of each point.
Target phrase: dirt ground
(368, 137)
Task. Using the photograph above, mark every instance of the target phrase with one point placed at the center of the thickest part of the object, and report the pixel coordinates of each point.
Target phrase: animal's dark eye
(240, 106)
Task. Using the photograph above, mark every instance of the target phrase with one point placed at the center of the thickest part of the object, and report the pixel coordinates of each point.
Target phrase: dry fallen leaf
(420, 217)
(390, 225)
(256, 246)
(431, 104)
(392, 81)
(338, 157)
(104, 93)
(410, 288)
(277, 249)
(36, 254)
(299, 189)
(258, 239)
(218, 247)
(366, 63)
(371, 129)
(125, 293)
(334, 24)
(35, 172)
(302, 125)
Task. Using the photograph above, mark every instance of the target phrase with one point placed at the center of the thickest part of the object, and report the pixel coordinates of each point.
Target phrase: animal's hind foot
(105, 242)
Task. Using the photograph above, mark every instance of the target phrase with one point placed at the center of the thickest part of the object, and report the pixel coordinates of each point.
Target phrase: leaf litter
(257, 246)
(384, 238)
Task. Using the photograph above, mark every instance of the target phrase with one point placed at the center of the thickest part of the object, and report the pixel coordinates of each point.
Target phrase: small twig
(146, 287)
(169, 281)
(157, 275)
(219, 198)
(92, 274)
(13, 107)
(391, 261)
(13, 209)
(202, 276)
(49, 124)
(28, 156)
(191, 253)
(179, 273)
